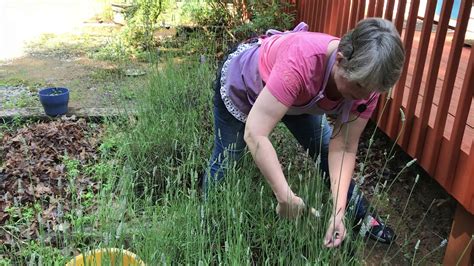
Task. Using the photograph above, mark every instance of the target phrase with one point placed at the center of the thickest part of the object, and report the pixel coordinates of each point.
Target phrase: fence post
(460, 239)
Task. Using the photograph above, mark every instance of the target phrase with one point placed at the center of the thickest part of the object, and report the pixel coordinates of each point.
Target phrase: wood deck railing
(435, 90)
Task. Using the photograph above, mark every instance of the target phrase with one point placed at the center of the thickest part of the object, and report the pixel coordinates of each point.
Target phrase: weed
(36, 254)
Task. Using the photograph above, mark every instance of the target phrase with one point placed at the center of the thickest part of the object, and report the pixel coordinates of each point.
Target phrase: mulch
(34, 173)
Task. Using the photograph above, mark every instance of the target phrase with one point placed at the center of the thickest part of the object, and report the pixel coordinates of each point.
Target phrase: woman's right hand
(290, 207)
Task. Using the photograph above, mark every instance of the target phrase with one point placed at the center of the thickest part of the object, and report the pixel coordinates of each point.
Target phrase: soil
(75, 74)
(429, 212)
(59, 62)
(50, 177)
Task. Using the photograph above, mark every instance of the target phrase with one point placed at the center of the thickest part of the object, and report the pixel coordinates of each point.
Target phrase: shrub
(227, 24)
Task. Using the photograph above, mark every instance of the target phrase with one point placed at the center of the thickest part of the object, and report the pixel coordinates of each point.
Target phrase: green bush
(136, 39)
(265, 16)
(141, 19)
(223, 25)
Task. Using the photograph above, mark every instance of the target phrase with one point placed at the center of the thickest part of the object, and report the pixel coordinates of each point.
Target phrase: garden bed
(47, 177)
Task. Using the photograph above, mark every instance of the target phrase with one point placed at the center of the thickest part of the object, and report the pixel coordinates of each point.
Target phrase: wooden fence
(435, 90)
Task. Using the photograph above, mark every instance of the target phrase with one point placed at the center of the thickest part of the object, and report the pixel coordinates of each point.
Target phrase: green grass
(89, 41)
(16, 81)
(27, 98)
(150, 204)
(159, 213)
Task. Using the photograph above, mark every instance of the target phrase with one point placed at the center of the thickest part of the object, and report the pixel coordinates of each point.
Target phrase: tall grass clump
(154, 208)
(170, 133)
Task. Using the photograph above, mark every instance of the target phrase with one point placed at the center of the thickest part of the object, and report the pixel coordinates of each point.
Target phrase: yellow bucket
(108, 256)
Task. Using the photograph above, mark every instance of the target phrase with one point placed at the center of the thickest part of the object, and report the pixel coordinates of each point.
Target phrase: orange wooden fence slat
(419, 63)
(445, 99)
(311, 10)
(462, 183)
(468, 200)
(311, 18)
(339, 13)
(389, 10)
(325, 19)
(326, 9)
(421, 124)
(361, 10)
(345, 18)
(301, 6)
(379, 8)
(332, 23)
(320, 14)
(382, 110)
(371, 8)
(305, 9)
(402, 4)
(353, 16)
(314, 20)
(381, 118)
(392, 126)
(460, 120)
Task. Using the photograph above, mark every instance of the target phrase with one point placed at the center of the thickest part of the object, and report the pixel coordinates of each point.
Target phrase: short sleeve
(284, 82)
(292, 66)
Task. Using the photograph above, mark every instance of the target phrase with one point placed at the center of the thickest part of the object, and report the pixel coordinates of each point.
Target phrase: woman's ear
(339, 57)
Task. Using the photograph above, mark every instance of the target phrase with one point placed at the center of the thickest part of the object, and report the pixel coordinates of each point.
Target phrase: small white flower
(443, 243)
(417, 244)
(410, 163)
(402, 115)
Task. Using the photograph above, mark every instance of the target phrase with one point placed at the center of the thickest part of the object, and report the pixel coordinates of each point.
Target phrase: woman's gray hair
(373, 54)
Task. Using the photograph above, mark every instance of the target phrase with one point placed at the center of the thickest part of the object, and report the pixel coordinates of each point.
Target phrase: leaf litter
(34, 174)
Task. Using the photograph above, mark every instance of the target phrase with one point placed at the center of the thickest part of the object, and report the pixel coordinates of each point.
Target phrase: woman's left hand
(336, 231)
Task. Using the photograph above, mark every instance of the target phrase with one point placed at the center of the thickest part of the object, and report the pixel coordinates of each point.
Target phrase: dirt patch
(70, 60)
(78, 74)
(429, 209)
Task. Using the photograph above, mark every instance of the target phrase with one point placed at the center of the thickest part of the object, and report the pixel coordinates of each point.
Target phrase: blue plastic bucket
(54, 100)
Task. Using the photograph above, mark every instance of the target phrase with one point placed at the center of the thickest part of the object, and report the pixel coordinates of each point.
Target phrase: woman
(297, 77)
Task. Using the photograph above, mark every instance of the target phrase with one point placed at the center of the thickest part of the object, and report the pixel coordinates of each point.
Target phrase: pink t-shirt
(293, 67)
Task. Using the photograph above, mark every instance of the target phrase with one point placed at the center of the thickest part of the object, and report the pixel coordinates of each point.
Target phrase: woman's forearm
(341, 168)
(266, 159)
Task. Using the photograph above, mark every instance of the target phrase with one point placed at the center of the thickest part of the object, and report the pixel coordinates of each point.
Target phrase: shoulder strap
(300, 27)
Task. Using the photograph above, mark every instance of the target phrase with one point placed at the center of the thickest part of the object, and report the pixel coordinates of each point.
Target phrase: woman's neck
(332, 93)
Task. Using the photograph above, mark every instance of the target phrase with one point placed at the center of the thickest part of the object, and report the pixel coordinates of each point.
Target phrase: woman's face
(348, 89)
